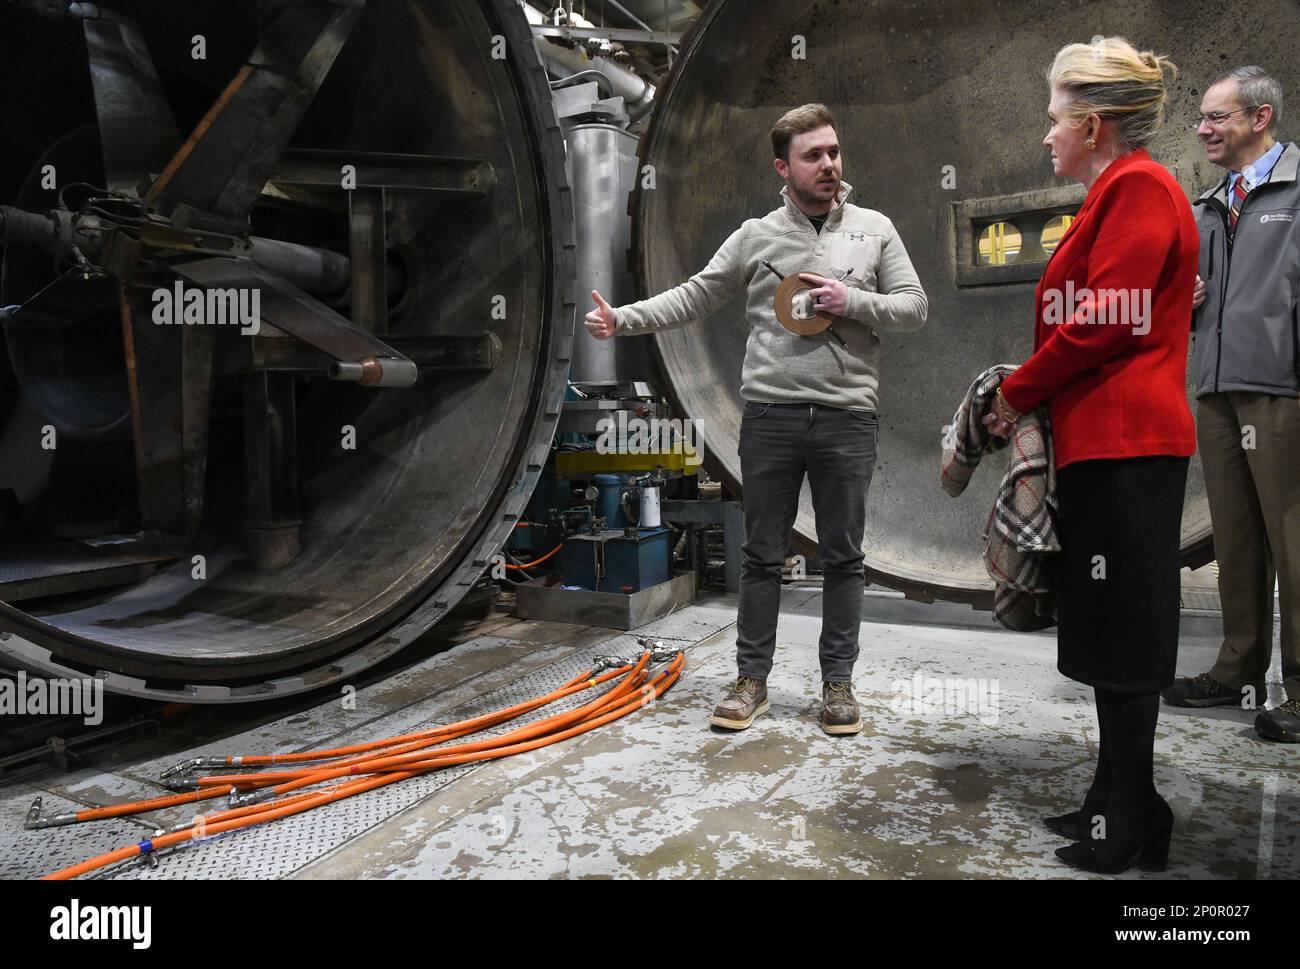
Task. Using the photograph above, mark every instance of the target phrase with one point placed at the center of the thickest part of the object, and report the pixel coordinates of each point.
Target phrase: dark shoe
(1076, 825)
(840, 714)
(1203, 690)
(743, 702)
(1281, 723)
(1150, 852)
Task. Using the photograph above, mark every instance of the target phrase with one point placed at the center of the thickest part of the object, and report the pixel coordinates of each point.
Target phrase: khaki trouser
(1254, 496)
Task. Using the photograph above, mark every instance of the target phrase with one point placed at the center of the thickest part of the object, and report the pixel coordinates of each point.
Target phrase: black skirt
(1118, 585)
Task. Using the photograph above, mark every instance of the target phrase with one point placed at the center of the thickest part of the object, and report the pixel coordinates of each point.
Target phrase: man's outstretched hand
(602, 320)
(830, 296)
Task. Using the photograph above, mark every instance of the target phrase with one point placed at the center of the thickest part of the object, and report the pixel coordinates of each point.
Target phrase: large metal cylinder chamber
(941, 110)
(403, 493)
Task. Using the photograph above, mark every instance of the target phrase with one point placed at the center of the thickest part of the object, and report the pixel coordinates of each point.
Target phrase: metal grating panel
(278, 849)
(31, 854)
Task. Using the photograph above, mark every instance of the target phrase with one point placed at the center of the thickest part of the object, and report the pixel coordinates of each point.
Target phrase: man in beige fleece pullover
(810, 401)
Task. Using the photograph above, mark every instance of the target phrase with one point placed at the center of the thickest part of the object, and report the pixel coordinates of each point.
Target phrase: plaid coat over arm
(1020, 533)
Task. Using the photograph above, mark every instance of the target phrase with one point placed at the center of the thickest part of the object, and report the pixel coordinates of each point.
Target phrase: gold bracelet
(1008, 408)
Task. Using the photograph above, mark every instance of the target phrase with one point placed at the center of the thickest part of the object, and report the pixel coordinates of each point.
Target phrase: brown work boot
(743, 702)
(840, 714)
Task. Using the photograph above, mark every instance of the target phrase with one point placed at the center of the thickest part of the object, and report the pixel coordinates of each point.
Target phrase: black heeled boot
(1138, 821)
(1074, 826)
(1077, 825)
(1149, 850)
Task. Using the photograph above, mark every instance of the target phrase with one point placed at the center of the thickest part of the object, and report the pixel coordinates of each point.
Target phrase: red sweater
(1118, 388)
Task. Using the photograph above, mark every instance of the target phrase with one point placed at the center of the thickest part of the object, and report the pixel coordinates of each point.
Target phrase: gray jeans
(779, 443)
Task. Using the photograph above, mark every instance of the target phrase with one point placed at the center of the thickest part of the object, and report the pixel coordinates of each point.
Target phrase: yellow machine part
(573, 464)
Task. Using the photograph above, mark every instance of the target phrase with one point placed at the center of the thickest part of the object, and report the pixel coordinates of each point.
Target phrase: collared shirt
(1258, 171)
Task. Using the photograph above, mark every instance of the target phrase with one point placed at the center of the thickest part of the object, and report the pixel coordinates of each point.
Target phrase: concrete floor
(935, 787)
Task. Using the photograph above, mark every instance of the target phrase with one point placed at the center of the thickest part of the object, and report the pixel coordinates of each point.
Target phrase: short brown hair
(797, 121)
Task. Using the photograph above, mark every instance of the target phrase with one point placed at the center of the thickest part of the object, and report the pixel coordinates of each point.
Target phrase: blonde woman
(1111, 370)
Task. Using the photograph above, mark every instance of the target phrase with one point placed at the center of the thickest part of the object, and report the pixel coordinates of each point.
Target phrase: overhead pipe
(606, 86)
(637, 93)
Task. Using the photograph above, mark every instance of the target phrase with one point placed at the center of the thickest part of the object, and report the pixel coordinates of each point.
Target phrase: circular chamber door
(941, 110)
(273, 529)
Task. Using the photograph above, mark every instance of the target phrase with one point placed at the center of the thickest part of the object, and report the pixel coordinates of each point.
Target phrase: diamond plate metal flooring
(278, 849)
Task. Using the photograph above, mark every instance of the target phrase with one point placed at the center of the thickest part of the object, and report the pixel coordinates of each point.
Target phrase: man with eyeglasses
(1246, 367)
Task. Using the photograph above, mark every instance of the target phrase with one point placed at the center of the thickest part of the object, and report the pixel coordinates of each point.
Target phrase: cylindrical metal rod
(21, 226)
(375, 372)
(309, 267)
(315, 270)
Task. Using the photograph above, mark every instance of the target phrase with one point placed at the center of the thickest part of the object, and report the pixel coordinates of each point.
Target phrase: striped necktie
(1239, 193)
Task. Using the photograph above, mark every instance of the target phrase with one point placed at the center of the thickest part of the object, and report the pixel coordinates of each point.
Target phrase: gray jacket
(1247, 333)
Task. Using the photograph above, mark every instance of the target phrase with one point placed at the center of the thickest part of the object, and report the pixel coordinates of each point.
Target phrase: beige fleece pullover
(859, 246)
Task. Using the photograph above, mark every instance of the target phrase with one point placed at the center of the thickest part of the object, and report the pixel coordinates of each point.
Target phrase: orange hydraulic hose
(660, 684)
(486, 720)
(517, 742)
(632, 703)
(583, 676)
(440, 735)
(244, 811)
(326, 771)
(529, 565)
(616, 703)
(118, 810)
(329, 772)
(296, 806)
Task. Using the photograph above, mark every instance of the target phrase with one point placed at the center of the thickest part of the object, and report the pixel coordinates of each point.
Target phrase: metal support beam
(729, 514)
(136, 128)
(323, 168)
(271, 504)
(479, 352)
(359, 355)
(224, 164)
(170, 380)
(369, 256)
(619, 34)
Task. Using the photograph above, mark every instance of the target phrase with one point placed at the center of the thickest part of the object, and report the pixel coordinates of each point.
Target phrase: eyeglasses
(1218, 117)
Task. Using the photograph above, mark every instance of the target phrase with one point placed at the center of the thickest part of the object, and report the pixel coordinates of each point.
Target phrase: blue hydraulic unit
(618, 560)
(624, 556)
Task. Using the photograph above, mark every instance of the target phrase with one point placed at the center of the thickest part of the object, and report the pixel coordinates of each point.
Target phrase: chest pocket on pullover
(858, 251)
